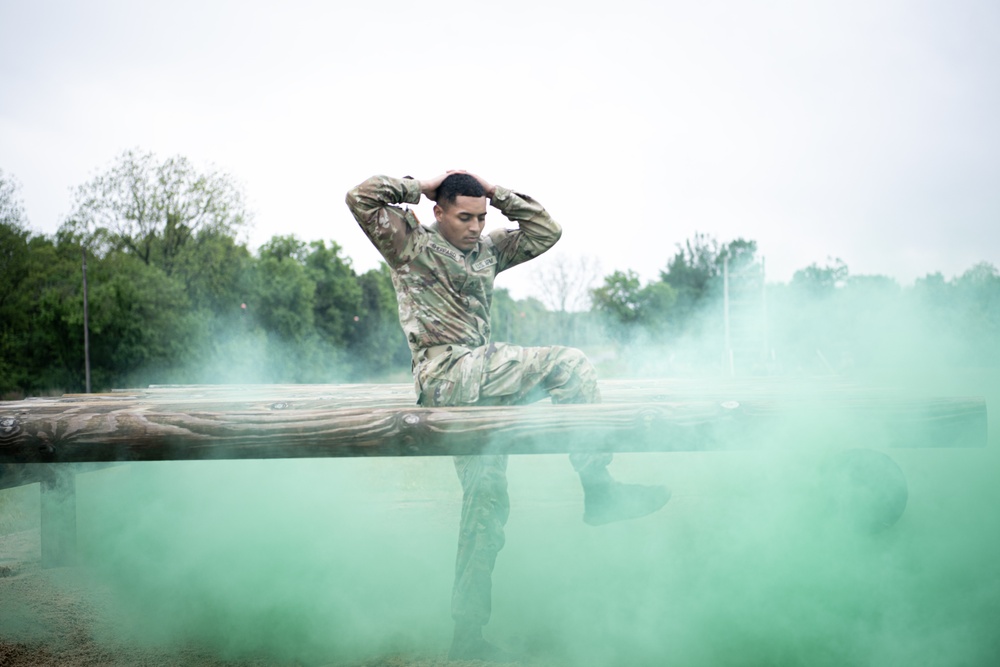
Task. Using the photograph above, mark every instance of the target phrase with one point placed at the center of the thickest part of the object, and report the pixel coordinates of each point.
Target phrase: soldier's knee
(573, 357)
(581, 364)
(574, 379)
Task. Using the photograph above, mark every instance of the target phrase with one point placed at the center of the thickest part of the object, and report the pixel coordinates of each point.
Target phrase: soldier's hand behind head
(429, 187)
(489, 187)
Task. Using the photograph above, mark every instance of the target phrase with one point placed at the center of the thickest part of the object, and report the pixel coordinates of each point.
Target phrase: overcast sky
(862, 130)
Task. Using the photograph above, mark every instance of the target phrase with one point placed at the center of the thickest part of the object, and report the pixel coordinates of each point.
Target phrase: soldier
(443, 275)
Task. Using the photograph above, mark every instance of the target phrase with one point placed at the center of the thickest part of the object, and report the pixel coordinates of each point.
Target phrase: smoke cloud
(752, 562)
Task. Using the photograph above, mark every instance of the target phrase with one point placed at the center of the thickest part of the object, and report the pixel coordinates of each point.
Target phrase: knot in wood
(279, 406)
(9, 427)
(411, 419)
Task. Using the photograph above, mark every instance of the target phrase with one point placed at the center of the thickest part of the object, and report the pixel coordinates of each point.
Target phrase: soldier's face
(461, 222)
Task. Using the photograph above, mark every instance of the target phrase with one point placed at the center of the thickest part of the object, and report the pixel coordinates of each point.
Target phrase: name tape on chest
(483, 263)
(448, 252)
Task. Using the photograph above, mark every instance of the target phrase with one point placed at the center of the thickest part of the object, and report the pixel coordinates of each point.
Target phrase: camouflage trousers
(497, 374)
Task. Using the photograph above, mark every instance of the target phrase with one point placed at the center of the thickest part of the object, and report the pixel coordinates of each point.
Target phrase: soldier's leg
(513, 374)
(508, 375)
(485, 508)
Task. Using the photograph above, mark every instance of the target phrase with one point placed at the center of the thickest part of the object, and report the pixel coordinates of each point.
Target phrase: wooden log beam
(293, 421)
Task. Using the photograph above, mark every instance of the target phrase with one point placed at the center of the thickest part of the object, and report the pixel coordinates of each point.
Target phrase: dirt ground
(49, 617)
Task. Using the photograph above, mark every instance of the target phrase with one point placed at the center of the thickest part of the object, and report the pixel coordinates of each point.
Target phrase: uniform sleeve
(395, 233)
(536, 232)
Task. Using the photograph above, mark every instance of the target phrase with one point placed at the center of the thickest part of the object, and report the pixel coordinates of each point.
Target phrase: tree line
(176, 296)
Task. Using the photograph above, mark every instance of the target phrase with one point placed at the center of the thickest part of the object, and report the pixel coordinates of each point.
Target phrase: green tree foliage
(626, 305)
(657, 300)
(141, 321)
(14, 263)
(329, 322)
(816, 280)
(828, 321)
(524, 321)
(39, 283)
(618, 298)
(981, 284)
(962, 315)
(810, 318)
(215, 270)
(375, 337)
(154, 209)
(46, 352)
(11, 207)
(338, 294)
(176, 296)
(13, 239)
(695, 270)
(284, 293)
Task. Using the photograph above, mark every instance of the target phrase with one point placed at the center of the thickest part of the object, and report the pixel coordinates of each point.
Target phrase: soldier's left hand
(489, 187)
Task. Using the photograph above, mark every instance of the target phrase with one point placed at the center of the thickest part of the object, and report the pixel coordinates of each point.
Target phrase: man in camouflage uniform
(443, 275)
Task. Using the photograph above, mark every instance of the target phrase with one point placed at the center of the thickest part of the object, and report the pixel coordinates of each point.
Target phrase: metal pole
(86, 321)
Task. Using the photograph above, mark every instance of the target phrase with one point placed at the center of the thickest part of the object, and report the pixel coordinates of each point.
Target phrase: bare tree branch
(564, 282)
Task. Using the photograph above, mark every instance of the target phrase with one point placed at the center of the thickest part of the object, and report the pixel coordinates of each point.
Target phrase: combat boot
(468, 644)
(607, 501)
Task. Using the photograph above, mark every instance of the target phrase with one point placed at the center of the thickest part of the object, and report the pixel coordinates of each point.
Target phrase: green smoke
(351, 559)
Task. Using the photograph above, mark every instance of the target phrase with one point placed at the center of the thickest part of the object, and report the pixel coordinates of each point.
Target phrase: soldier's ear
(438, 212)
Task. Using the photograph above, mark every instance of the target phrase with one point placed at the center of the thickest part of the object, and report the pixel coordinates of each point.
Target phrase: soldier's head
(460, 210)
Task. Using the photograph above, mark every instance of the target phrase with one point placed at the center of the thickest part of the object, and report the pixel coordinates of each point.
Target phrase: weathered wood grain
(289, 421)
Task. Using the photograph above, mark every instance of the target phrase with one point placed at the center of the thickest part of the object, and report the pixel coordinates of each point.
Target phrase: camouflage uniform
(444, 299)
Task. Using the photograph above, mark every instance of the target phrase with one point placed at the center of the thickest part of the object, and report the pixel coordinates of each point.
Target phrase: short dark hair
(458, 185)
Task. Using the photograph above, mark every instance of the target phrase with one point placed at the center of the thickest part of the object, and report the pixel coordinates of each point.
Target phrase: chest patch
(440, 249)
(483, 263)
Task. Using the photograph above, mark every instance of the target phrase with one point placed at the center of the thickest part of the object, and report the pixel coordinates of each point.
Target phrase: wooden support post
(58, 517)
(22, 474)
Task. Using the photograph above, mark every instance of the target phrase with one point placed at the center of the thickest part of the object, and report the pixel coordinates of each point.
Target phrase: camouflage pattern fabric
(444, 299)
(501, 375)
(445, 294)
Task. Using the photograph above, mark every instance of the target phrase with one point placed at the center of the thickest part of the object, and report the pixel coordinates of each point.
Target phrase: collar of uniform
(472, 252)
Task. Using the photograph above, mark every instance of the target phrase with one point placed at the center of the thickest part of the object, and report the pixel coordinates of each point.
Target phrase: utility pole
(86, 323)
(58, 489)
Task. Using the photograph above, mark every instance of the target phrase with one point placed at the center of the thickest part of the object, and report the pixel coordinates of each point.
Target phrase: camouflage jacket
(444, 293)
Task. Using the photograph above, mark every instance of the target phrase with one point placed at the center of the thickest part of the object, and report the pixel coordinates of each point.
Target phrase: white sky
(862, 130)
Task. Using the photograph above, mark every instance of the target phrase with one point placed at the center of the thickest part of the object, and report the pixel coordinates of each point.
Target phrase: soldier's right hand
(429, 187)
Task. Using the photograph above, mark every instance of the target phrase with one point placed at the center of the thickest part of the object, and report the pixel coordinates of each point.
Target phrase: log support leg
(58, 517)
